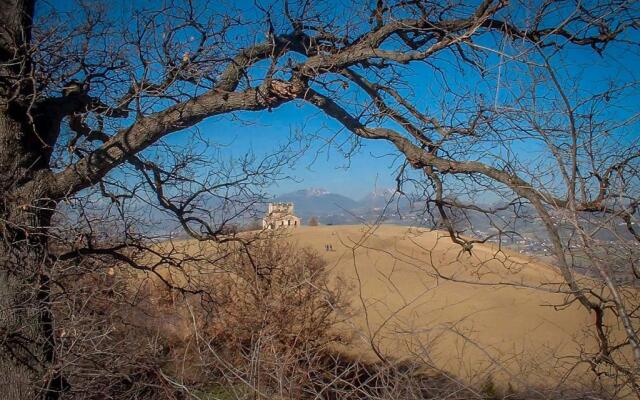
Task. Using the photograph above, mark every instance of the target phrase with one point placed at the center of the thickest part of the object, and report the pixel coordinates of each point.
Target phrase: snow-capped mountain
(318, 202)
(333, 208)
(315, 192)
(378, 199)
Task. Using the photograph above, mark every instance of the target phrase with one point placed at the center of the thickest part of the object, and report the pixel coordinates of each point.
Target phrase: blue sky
(321, 164)
(374, 164)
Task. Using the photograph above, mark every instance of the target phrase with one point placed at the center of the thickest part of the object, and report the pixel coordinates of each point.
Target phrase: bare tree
(89, 96)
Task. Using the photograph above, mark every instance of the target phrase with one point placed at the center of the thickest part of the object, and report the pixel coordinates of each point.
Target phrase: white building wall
(280, 215)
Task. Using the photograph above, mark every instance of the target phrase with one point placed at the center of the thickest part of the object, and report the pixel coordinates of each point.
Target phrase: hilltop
(417, 297)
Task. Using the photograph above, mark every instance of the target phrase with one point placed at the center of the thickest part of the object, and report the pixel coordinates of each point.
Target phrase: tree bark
(28, 353)
(26, 324)
(27, 320)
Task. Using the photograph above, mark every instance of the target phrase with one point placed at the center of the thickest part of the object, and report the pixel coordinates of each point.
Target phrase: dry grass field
(415, 297)
(488, 313)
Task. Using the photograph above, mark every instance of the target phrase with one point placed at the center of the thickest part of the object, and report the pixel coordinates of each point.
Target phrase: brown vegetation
(258, 321)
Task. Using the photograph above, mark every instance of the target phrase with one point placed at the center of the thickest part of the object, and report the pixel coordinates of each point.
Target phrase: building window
(288, 222)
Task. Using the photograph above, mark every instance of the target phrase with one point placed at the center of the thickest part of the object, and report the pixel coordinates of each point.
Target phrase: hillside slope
(416, 297)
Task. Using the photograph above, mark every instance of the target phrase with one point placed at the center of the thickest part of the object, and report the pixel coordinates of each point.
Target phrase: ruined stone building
(280, 215)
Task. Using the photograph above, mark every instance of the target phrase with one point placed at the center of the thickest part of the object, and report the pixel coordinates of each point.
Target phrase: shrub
(274, 315)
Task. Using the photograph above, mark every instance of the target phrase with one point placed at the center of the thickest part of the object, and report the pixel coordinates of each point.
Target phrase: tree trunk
(27, 338)
(28, 354)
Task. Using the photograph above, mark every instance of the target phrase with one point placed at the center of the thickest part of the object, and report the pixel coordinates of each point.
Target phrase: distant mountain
(333, 208)
(318, 202)
(378, 199)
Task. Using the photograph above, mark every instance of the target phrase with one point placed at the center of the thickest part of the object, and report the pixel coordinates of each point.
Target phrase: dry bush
(108, 348)
(257, 322)
(273, 315)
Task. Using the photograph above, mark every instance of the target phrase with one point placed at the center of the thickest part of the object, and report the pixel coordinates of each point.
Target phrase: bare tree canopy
(90, 94)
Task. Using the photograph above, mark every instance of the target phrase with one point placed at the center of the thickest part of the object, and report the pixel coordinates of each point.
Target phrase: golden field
(488, 313)
(415, 297)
